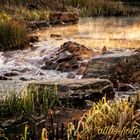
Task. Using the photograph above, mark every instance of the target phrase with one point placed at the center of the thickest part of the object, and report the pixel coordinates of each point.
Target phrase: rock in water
(68, 57)
(71, 75)
(80, 51)
(55, 36)
(33, 39)
(104, 49)
(5, 78)
(77, 90)
(11, 74)
(122, 66)
(63, 18)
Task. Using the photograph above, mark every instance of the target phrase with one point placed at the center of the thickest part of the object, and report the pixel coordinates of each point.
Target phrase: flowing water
(114, 33)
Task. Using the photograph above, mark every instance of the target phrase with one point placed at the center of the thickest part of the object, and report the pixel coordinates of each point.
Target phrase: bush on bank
(13, 35)
(102, 7)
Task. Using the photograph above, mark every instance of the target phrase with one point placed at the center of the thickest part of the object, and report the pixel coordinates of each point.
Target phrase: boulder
(68, 57)
(121, 66)
(77, 90)
(78, 50)
(63, 18)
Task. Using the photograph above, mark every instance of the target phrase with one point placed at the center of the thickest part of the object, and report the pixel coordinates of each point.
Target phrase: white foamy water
(1, 60)
(115, 33)
(28, 63)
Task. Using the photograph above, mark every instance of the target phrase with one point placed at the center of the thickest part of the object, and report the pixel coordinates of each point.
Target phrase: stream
(25, 65)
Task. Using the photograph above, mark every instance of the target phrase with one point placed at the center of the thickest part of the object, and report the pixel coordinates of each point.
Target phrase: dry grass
(118, 115)
(102, 8)
(13, 35)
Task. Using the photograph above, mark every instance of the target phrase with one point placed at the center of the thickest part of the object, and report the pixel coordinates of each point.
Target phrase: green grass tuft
(13, 35)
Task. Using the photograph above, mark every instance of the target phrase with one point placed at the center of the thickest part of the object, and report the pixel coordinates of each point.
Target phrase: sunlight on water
(98, 32)
(115, 33)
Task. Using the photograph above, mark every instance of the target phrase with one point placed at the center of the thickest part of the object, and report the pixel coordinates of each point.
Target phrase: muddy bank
(55, 19)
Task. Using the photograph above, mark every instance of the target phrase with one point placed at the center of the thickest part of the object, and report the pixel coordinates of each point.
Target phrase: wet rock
(26, 78)
(63, 18)
(71, 75)
(137, 50)
(135, 76)
(65, 56)
(121, 66)
(40, 73)
(55, 36)
(104, 49)
(49, 65)
(11, 74)
(80, 51)
(45, 67)
(82, 68)
(14, 70)
(23, 79)
(33, 39)
(5, 78)
(68, 57)
(125, 87)
(24, 70)
(77, 90)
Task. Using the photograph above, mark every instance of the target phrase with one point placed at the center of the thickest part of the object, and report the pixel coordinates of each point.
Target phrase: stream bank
(60, 46)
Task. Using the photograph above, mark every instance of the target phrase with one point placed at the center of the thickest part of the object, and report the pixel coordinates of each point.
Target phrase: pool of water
(111, 32)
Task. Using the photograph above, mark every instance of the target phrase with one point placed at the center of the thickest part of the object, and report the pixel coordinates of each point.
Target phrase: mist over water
(114, 33)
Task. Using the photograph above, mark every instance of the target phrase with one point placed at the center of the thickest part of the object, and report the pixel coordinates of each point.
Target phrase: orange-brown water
(95, 33)
(122, 32)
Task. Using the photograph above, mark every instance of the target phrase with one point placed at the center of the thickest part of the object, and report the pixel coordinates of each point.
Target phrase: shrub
(102, 7)
(13, 35)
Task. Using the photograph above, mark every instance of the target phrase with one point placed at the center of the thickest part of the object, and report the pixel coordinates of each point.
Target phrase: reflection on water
(98, 32)
(92, 32)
